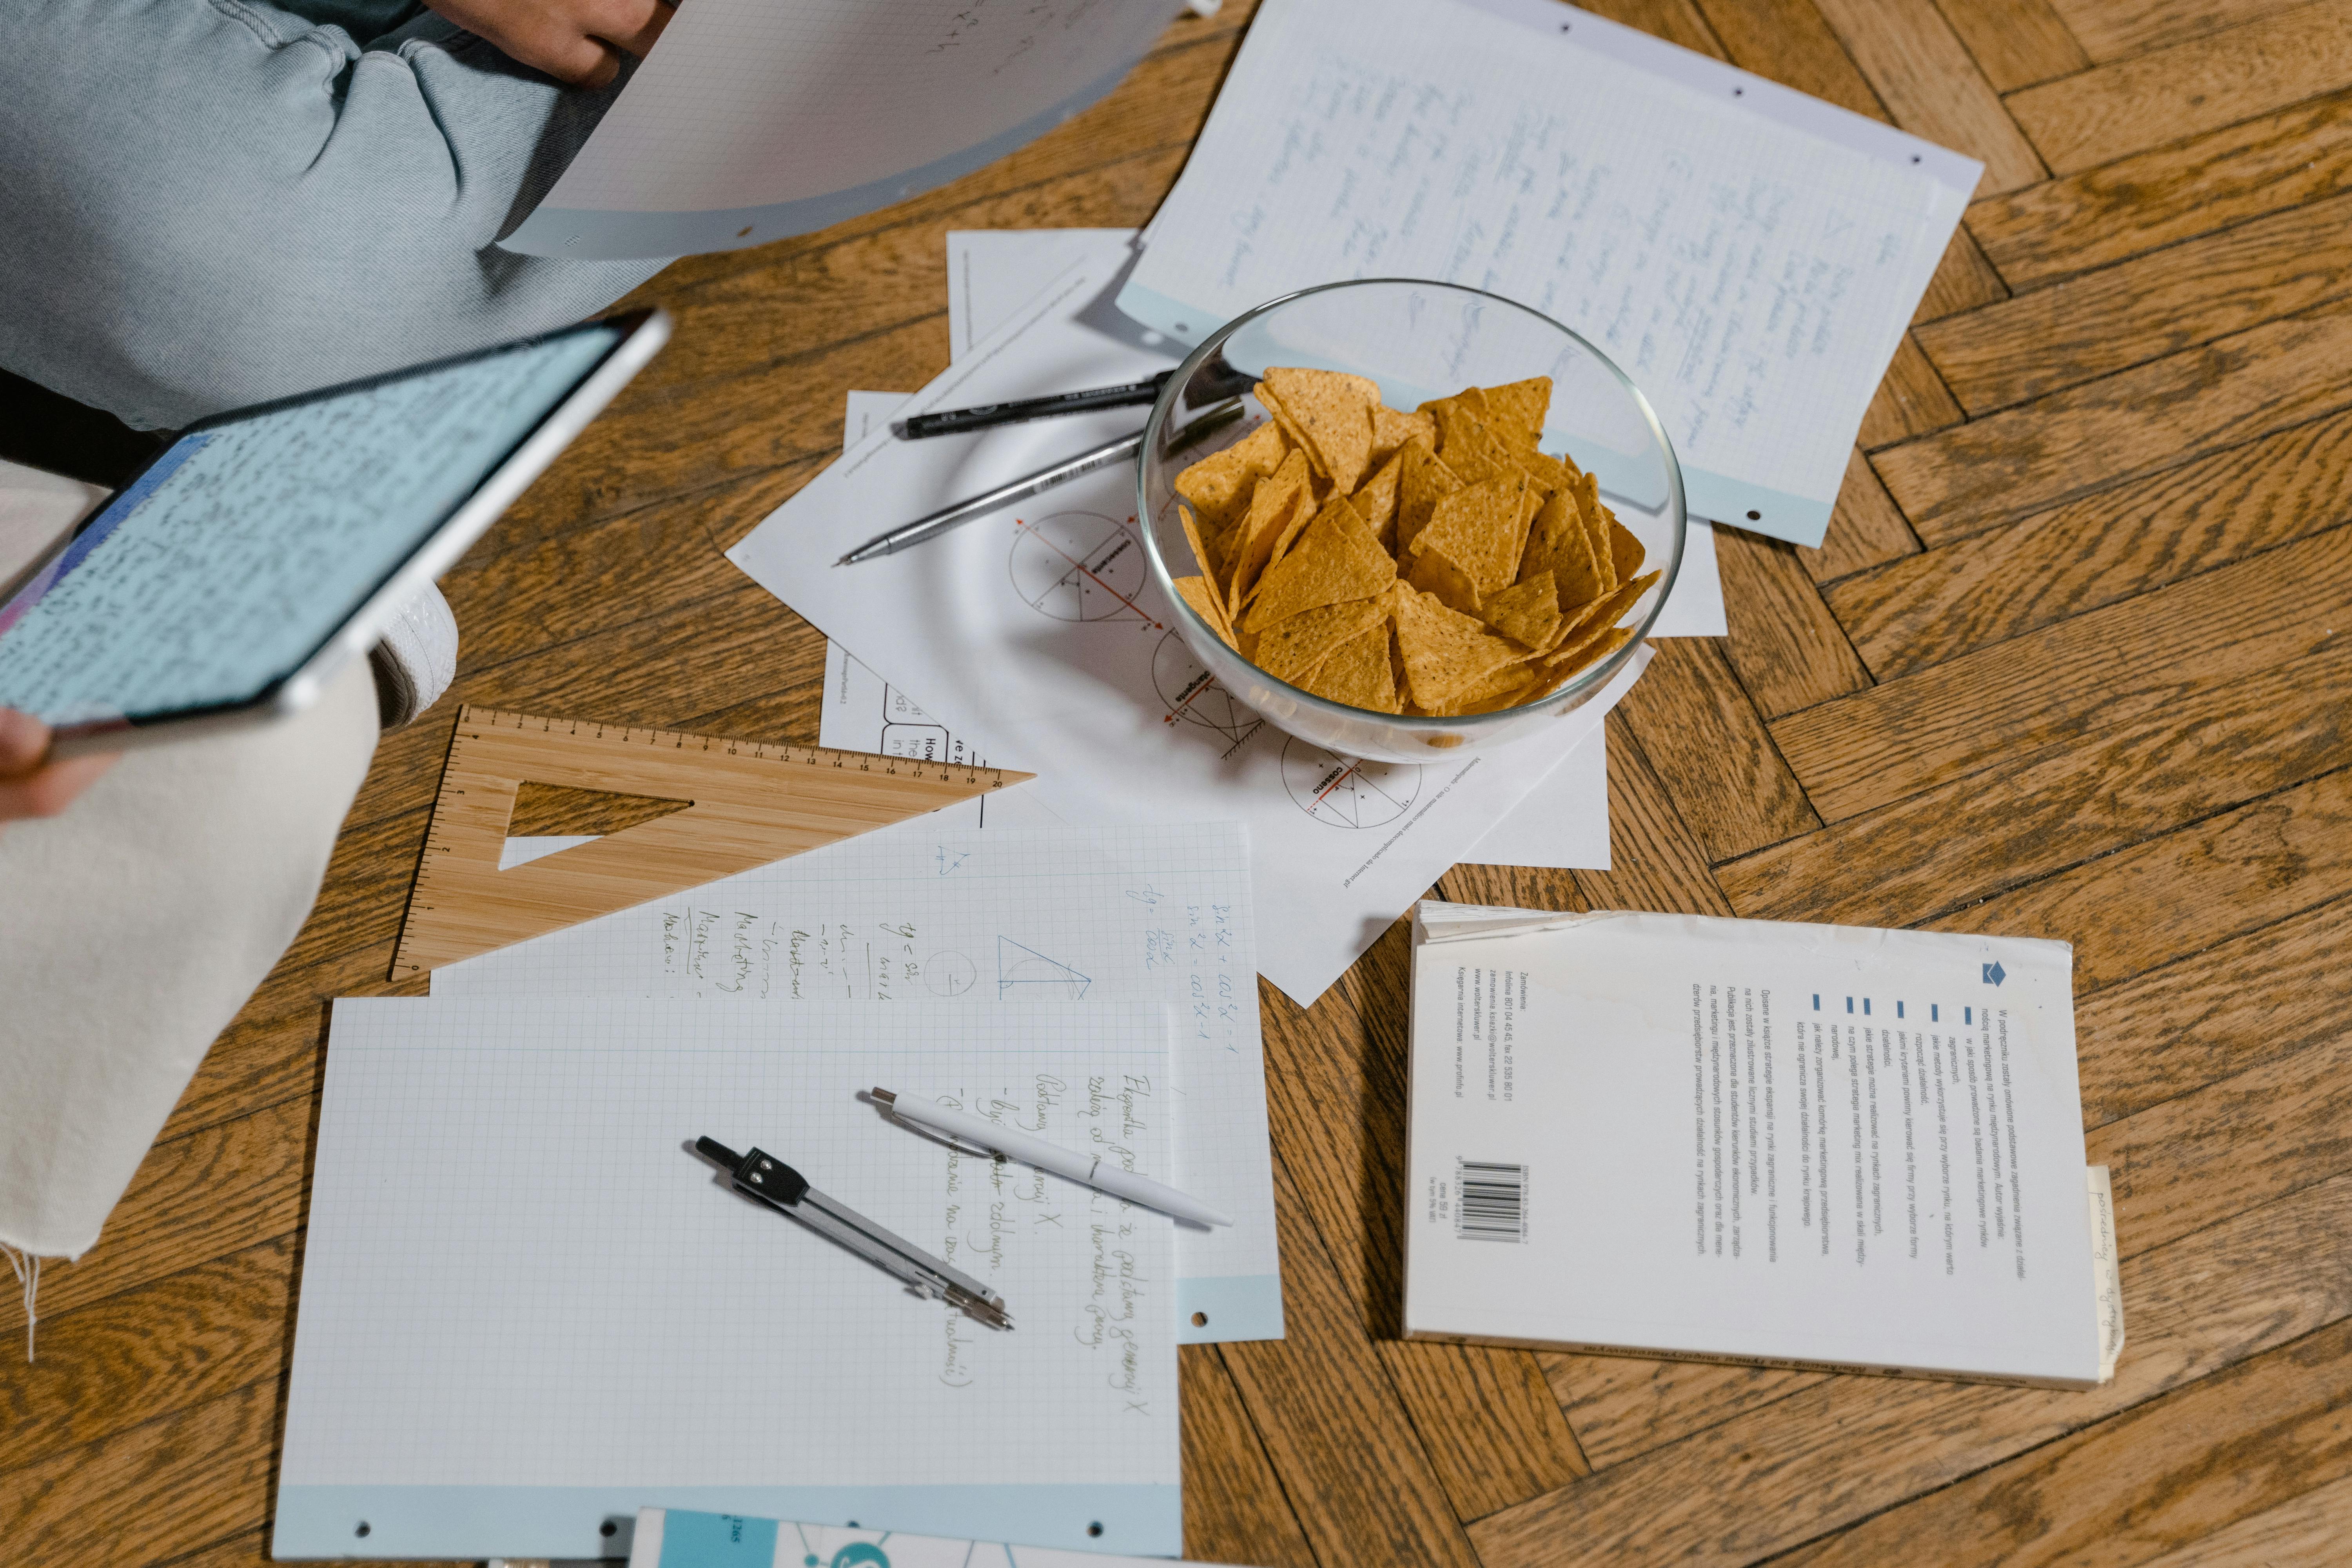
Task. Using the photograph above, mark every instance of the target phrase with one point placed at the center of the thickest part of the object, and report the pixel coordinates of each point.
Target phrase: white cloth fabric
(135, 925)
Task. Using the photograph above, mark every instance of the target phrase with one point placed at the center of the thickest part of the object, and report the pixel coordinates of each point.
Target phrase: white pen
(1092, 1170)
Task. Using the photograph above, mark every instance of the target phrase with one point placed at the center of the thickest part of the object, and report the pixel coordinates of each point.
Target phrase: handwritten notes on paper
(1751, 276)
(506, 1196)
(925, 913)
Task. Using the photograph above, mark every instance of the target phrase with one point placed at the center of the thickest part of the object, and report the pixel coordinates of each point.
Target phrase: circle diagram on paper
(1192, 696)
(948, 972)
(1341, 792)
(1078, 566)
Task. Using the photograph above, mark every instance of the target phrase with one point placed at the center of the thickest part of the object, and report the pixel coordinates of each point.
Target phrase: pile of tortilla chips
(1431, 564)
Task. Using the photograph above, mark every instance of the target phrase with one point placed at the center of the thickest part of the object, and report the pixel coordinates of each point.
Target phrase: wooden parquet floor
(2072, 663)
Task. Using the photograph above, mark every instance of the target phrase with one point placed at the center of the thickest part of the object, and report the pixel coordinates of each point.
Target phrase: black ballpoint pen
(1028, 485)
(1212, 381)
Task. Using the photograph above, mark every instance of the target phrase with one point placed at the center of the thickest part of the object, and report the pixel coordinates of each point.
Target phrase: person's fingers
(24, 742)
(634, 25)
(51, 789)
(583, 62)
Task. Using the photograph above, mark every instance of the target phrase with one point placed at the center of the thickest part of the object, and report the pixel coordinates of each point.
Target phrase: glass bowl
(1418, 341)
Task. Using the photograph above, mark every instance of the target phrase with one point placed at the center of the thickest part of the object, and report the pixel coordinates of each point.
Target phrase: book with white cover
(1678, 1136)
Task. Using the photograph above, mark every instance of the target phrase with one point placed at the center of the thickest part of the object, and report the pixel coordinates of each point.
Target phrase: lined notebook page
(517, 1275)
(927, 912)
(1751, 275)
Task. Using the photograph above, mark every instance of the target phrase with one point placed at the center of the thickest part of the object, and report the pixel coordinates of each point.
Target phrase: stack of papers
(1750, 257)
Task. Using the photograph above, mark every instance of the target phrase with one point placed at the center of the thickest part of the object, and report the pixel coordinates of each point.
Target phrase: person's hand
(578, 41)
(29, 786)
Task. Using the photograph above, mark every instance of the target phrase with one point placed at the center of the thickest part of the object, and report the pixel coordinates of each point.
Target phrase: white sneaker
(416, 660)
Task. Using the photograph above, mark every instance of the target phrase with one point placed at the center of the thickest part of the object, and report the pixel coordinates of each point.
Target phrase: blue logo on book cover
(1993, 973)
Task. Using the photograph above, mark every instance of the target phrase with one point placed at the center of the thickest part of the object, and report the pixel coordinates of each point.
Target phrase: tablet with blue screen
(264, 548)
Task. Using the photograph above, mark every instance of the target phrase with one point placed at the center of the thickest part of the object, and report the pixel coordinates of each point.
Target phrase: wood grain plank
(1866, 529)
(2100, 550)
(2157, 1479)
(2154, 417)
(2198, 85)
(152, 1492)
(2100, 322)
(2180, 1165)
(1789, 649)
(1357, 1477)
(1655, 862)
(1830, 1455)
(1712, 751)
(1911, 400)
(180, 1340)
(2308, 1529)
(1676, 21)
(1235, 1509)
(2104, 216)
(2112, 30)
(2123, 660)
(1623, 1407)
(2189, 890)
(2020, 820)
(1788, 41)
(1487, 1420)
(2015, 42)
(1963, 280)
(1932, 86)
(217, 1192)
(2173, 1032)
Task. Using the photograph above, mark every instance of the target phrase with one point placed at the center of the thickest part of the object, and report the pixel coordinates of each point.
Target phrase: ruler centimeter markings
(740, 812)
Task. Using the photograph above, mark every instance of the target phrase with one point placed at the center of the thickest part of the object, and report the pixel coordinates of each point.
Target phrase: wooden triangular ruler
(751, 803)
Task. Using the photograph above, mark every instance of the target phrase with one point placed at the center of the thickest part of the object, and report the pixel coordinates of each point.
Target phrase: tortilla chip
(1482, 528)
(1219, 485)
(1551, 474)
(1624, 550)
(1279, 501)
(1423, 480)
(1333, 414)
(1292, 650)
(1205, 548)
(1596, 518)
(1517, 411)
(1391, 429)
(1558, 543)
(1527, 612)
(1444, 651)
(1376, 501)
(1336, 559)
(1590, 619)
(1437, 573)
(1587, 652)
(1506, 688)
(1209, 605)
(1358, 673)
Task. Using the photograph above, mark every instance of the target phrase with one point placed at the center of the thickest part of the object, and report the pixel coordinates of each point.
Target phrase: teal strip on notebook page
(474, 1523)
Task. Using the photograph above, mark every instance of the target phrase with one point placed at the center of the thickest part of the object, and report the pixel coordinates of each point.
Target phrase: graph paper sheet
(1037, 635)
(751, 120)
(935, 911)
(527, 1307)
(1750, 257)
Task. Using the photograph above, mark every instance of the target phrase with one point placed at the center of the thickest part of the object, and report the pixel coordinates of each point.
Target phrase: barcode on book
(1490, 1201)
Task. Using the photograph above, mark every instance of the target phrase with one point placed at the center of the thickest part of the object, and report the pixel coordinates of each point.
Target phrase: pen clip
(887, 1104)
